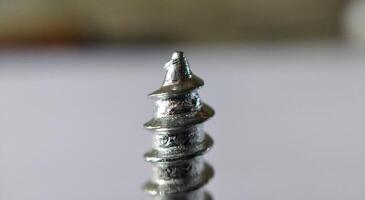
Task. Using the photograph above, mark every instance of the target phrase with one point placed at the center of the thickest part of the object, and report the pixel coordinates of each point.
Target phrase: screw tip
(177, 55)
(177, 69)
(179, 78)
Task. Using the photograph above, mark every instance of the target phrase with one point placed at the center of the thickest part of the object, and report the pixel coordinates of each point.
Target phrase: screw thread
(179, 141)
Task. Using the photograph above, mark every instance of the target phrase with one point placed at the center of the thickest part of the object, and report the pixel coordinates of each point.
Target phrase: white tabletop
(289, 121)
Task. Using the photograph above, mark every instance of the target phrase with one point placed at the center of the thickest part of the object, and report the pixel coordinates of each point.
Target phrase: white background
(289, 121)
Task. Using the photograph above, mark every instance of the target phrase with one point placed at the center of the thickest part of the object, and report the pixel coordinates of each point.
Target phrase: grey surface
(289, 122)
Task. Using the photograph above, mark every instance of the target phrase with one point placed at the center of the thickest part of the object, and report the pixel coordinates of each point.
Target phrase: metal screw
(179, 141)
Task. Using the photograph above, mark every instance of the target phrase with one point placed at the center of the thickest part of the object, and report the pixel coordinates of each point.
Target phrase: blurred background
(286, 78)
(44, 21)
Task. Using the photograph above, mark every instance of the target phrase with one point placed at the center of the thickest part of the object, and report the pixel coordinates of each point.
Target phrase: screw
(179, 141)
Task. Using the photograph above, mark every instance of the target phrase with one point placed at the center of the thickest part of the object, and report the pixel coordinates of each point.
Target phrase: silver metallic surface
(179, 141)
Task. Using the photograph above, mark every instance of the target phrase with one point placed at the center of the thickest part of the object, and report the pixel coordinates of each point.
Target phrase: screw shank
(179, 141)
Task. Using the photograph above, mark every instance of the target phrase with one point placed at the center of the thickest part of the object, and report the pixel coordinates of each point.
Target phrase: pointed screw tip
(177, 54)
